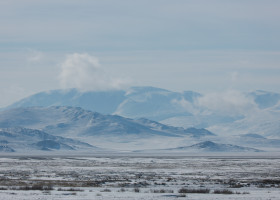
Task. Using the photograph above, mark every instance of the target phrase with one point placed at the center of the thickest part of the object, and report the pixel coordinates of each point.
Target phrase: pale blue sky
(200, 45)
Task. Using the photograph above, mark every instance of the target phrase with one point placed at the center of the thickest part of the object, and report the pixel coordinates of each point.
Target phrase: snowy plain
(139, 177)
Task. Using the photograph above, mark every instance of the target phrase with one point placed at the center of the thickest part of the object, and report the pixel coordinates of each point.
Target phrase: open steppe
(139, 177)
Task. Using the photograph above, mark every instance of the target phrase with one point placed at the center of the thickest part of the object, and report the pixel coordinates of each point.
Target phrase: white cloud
(230, 103)
(35, 56)
(186, 105)
(83, 71)
(234, 76)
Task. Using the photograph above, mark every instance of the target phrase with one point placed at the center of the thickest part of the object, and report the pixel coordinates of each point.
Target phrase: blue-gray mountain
(256, 112)
(148, 102)
(136, 102)
(209, 146)
(206, 147)
(69, 128)
(75, 121)
(17, 139)
(235, 117)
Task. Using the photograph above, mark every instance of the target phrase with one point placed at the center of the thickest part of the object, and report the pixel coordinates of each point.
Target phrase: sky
(199, 45)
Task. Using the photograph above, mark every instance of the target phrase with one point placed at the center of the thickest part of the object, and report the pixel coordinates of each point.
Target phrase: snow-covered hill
(265, 99)
(19, 139)
(105, 102)
(148, 102)
(227, 114)
(176, 108)
(209, 146)
(77, 122)
(94, 128)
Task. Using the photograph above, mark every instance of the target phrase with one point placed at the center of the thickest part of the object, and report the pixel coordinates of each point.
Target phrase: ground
(139, 177)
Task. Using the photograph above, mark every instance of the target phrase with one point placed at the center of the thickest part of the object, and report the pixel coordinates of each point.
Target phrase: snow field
(138, 178)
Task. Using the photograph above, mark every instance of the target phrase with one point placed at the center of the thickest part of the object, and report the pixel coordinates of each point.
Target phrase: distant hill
(19, 139)
(105, 102)
(206, 147)
(209, 146)
(49, 127)
(148, 102)
(157, 112)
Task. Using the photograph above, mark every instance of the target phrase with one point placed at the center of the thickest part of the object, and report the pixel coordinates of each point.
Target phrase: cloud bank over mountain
(204, 46)
(231, 103)
(228, 113)
(84, 72)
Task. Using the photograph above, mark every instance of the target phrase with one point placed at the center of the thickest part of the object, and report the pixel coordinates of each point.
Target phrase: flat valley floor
(139, 177)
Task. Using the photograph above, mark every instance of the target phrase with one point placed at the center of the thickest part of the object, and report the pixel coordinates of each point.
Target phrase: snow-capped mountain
(227, 115)
(137, 102)
(205, 147)
(256, 140)
(194, 132)
(209, 146)
(265, 99)
(93, 128)
(155, 103)
(19, 139)
(78, 122)
(105, 102)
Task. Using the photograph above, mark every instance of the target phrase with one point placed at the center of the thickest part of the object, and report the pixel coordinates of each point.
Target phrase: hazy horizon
(204, 46)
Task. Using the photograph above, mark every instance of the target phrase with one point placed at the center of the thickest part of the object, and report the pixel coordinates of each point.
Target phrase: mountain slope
(153, 103)
(209, 146)
(136, 102)
(105, 102)
(256, 140)
(22, 139)
(255, 112)
(194, 132)
(95, 128)
(265, 99)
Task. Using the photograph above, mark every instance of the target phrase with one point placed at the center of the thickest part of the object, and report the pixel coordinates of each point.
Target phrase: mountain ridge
(156, 112)
(91, 127)
(16, 139)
